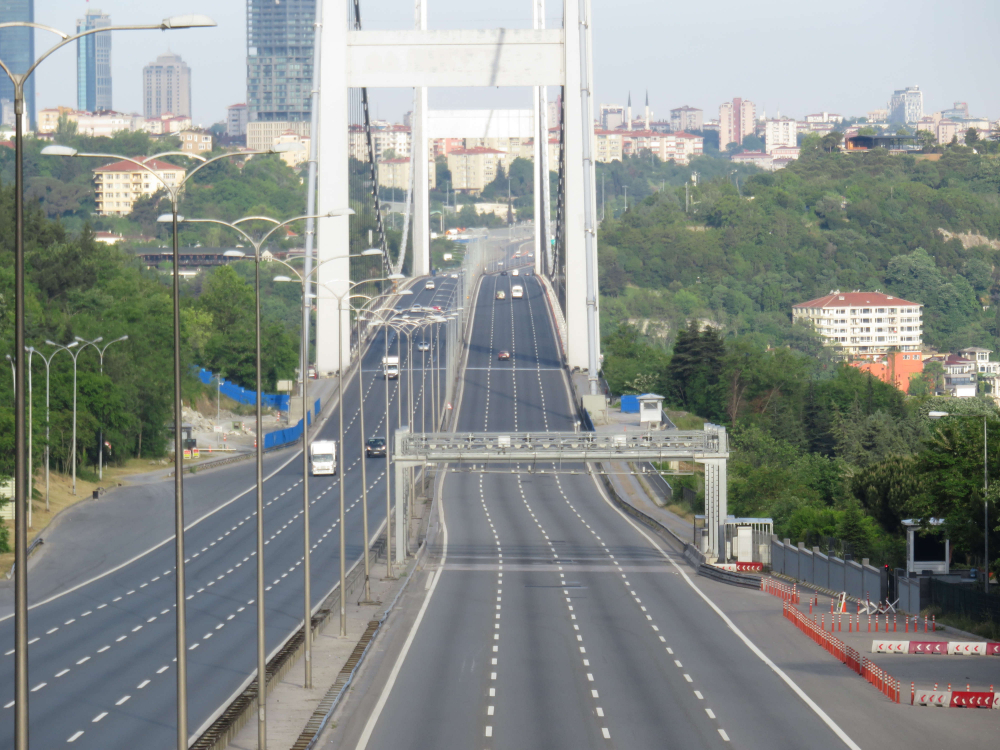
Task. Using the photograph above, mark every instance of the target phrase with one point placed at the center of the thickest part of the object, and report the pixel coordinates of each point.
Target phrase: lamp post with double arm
(174, 190)
(20, 459)
(256, 242)
(100, 352)
(304, 278)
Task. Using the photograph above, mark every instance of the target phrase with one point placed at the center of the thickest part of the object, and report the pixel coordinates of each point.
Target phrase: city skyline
(865, 79)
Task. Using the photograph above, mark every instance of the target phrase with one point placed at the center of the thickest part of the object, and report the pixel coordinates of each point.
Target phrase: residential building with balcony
(121, 184)
(864, 325)
(195, 141)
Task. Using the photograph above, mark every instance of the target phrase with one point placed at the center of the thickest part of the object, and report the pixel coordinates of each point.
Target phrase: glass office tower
(93, 63)
(279, 59)
(17, 50)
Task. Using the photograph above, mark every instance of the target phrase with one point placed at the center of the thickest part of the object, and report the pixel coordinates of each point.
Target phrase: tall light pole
(100, 351)
(48, 362)
(173, 193)
(74, 355)
(20, 459)
(256, 243)
(304, 278)
(340, 417)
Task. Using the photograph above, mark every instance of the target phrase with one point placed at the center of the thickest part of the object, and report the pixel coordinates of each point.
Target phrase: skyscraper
(17, 50)
(279, 59)
(906, 105)
(93, 63)
(166, 87)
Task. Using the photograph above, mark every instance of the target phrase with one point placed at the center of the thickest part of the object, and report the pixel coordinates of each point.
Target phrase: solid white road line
(391, 682)
(824, 717)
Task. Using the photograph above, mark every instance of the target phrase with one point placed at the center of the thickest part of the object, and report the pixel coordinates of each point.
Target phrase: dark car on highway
(375, 447)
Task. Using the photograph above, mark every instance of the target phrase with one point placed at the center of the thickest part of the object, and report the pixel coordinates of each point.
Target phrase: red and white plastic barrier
(955, 699)
(740, 567)
(939, 698)
(962, 648)
(890, 647)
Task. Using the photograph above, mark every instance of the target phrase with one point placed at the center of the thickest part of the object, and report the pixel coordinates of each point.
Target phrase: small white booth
(650, 409)
(927, 549)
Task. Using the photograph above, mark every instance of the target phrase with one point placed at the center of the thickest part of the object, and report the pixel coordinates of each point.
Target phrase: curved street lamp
(174, 191)
(257, 243)
(75, 356)
(303, 277)
(100, 351)
(20, 464)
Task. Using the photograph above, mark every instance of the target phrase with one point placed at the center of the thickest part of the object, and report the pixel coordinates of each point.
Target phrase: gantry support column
(333, 234)
(421, 182)
(715, 505)
(576, 256)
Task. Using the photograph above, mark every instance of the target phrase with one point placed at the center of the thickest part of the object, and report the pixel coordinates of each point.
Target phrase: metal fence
(962, 600)
(858, 580)
(243, 395)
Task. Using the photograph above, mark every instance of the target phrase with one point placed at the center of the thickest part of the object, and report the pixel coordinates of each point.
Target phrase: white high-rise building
(166, 87)
(906, 105)
(779, 132)
(612, 116)
(864, 324)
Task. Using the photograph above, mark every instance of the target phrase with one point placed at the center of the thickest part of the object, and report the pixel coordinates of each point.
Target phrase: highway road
(102, 652)
(552, 621)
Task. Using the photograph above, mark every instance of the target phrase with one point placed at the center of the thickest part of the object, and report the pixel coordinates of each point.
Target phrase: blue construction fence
(242, 395)
(289, 434)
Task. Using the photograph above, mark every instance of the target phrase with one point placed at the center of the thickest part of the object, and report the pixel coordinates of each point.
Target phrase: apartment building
(261, 133)
(864, 325)
(906, 105)
(680, 147)
(686, 118)
(472, 169)
(166, 87)
(120, 185)
(195, 141)
(237, 117)
(783, 131)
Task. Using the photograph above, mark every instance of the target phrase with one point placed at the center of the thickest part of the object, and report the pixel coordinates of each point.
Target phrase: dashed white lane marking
(605, 732)
(490, 708)
(823, 716)
(122, 699)
(722, 733)
(631, 590)
(76, 736)
(221, 537)
(99, 717)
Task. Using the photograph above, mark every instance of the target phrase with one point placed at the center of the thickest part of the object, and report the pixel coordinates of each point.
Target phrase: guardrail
(31, 548)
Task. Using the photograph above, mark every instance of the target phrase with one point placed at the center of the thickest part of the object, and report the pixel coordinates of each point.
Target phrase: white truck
(390, 367)
(323, 457)
(517, 291)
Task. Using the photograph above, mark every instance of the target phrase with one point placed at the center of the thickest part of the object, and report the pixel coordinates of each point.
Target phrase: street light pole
(100, 351)
(47, 361)
(74, 355)
(256, 244)
(304, 277)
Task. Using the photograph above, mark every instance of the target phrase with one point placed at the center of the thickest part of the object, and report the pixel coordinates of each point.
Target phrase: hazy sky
(799, 56)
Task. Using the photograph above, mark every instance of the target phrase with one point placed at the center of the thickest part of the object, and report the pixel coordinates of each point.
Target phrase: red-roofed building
(865, 325)
(120, 184)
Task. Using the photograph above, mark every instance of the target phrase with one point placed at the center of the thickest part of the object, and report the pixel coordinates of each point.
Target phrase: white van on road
(323, 457)
(517, 291)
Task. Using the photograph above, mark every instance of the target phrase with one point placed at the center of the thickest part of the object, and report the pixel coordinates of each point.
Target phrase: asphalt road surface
(101, 654)
(552, 621)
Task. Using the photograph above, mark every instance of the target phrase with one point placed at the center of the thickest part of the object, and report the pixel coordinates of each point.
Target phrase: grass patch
(987, 628)
(685, 420)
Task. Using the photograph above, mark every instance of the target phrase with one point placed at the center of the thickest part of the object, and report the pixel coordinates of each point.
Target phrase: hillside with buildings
(740, 253)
